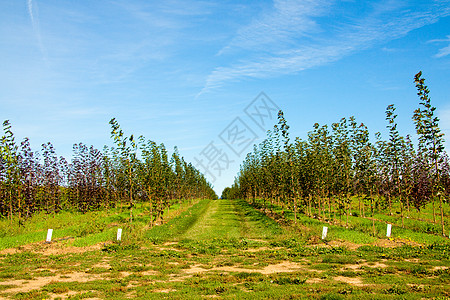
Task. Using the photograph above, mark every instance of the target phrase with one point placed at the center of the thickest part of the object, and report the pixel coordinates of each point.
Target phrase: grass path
(221, 220)
(225, 219)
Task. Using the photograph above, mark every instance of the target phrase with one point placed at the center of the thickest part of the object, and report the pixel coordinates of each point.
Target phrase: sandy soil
(29, 285)
(283, 267)
(54, 248)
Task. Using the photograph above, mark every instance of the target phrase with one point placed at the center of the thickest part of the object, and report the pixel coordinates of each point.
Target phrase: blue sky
(181, 72)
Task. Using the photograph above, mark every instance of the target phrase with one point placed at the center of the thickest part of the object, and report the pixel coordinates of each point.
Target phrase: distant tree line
(132, 171)
(319, 175)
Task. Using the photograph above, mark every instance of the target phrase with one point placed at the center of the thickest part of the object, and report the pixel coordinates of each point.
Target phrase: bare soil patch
(262, 249)
(397, 242)
(149, 273)
(9, 251)
(164, 291)
(365, 264)
(29, 285)
(350, 280)
(283, 267)
(103, 265)
(313, 280)
(437, 268)
(53, 248)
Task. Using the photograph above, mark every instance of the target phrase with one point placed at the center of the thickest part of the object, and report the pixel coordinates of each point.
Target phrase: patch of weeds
(371, 249)
(38, 295)
(289, 280)
(346, 291)
(339, 259)
(56, 288)
(441, 251)
(167, 254)
(288, 243)
(225, 264)
(419, 270)
(331, 296)
(324, 267)
(332, 250)
(116, 289)
(114, 248)
(443, 274)
(95, 225)
(373, 272)
(6, 275)
(6, 286)
(390, 270)
(349, 273)
(20, 258)
(396, 290)
(43, 273)
(220, 289)
(249, 276)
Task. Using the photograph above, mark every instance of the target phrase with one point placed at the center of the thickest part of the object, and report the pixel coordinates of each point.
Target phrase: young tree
(128, 159)
(394, 148)
(431, 139)
(342, 153)
(10, 170)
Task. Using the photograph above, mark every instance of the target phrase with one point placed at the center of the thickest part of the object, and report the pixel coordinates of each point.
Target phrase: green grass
(178, 225)
(218, 248)
(80, 229)
(360, 229)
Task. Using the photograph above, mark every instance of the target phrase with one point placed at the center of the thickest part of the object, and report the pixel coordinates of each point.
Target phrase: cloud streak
(36, 27)
(298, 35)
(443, 51)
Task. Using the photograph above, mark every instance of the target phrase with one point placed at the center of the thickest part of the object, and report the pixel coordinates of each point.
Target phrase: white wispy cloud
(443, 51)
(114, 43)
(297, 35)
(34, 17)
(287, 21)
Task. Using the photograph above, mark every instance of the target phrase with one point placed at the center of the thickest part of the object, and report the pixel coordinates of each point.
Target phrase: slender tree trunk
(363, 208)
(401, 211)
(373, 215)
(407, 204)
(151, 207)
(442, 214)
(347, 200)
(390, 204)
(309, 204)
(10, 207)
(131, 195)
(168, 207)
(359, 203)
(319, 213)
(295, 209)
(434, 212)
(334, 208)
(329, 207)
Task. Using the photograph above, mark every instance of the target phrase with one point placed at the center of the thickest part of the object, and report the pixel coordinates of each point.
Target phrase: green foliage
(134, 171)
(320, 177)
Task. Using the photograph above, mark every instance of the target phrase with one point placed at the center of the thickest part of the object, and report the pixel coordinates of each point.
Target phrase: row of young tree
(129, 172)
(322, 174)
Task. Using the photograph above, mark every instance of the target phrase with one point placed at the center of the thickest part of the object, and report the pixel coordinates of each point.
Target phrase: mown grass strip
(255, 224)
(219, 221)
(178, 225)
